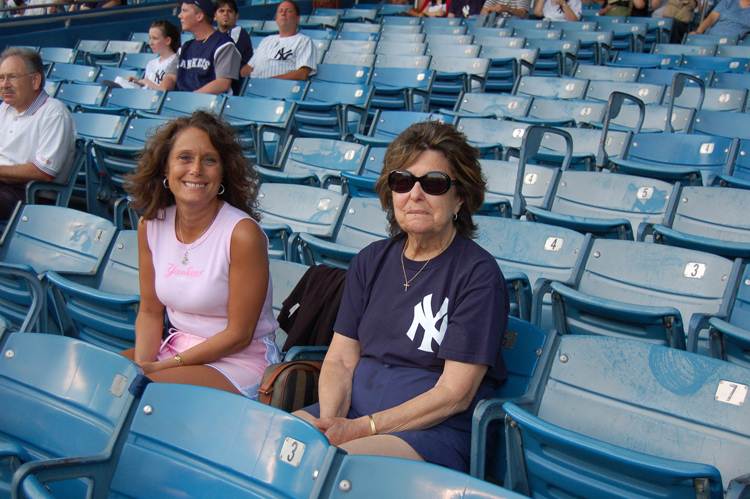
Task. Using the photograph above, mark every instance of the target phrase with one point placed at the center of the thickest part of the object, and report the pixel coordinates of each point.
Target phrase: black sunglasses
(433, 183)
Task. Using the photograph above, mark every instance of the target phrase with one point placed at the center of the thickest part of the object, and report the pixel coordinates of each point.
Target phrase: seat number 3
(292, 451)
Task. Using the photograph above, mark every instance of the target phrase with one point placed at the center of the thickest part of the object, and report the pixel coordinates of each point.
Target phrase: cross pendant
(185, 259)
(406, 286)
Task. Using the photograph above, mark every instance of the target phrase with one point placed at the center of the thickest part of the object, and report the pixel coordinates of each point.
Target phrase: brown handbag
(290, 386)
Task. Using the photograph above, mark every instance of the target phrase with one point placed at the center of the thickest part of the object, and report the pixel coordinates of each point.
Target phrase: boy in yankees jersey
(288, 55)
(210, 62)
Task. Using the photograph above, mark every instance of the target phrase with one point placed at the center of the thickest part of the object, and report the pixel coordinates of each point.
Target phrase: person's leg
(10, 194)
(382, 445)
(194, 375)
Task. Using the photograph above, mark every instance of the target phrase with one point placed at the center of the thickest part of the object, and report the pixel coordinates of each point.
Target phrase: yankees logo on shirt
(424, 318)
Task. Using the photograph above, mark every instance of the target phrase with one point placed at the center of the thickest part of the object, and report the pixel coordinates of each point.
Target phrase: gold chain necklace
(407, 281)
(179, 225)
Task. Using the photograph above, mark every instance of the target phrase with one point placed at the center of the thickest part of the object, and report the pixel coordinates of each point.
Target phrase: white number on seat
(694, 270)
(731, 393)
(292, 451)
(553, 244)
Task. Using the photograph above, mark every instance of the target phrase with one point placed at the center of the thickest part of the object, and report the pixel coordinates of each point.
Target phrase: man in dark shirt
(226, 17)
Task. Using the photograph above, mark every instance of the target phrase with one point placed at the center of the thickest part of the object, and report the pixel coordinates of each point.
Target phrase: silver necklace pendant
(185, 259)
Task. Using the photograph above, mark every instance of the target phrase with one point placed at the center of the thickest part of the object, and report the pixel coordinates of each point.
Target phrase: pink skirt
(244, 369)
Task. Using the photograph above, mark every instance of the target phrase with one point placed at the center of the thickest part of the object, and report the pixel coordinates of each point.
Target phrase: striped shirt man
(278, 55)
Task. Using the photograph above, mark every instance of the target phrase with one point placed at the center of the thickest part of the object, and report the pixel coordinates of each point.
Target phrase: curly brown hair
(463, 157)
(241, 181)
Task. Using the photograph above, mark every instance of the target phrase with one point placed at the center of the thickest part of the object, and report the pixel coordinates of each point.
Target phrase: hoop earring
(455, 217)
(165, 183)
(221, 190)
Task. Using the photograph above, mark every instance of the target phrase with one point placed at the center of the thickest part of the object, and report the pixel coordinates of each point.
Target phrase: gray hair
(31, 59)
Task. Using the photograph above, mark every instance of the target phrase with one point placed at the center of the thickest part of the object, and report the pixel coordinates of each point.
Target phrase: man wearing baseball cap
(210, 62)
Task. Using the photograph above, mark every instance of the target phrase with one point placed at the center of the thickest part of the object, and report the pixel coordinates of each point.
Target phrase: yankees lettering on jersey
(195, 63)
(424, 317)
(283, 55)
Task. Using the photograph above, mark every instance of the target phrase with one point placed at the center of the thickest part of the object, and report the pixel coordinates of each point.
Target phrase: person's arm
(709, 21)
(539, 8)
(300, 74)
(570, 14)
(216, 87)
(335, 384)
(655, 4)
(248, 285)
(169, 82)
(639, 4)
(20, 174)
(452, 394)
(245, 71)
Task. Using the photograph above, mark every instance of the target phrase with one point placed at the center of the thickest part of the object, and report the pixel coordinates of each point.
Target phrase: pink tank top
(197, 294)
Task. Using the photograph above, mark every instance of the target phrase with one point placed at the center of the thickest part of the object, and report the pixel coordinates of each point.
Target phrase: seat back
(125, 46)
(680, 49)
(304, 209)
(501, 184)
(497, 105)
(110, 73)
(604, 73)
(91, 45)
(178, 103)
(340, 73)
(353, 46)
(448, 39)
(285, 276)
(57, 54)
(192, 440)
(349, 58)
(452, 50)
(139, 130)
(554, 88)
(62, 398)
(136, 61)
(74, 94)
(402, 37)
(136, 99)
(705, 39)
(492, 133)
(578, 111)
(723, 123)
(273, 88)
(100, 126)
(390, 124)
(323, 158)
(648, 93)
(509, 42)
(716, 64)
(679, 431)
(73, 72)
(401, 48)
(402, 61)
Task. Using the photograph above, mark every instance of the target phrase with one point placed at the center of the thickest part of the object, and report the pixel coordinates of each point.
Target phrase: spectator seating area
(618, 188)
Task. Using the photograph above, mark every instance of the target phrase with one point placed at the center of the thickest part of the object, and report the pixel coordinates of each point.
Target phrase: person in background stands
(288, 55)
(210, 62)
(508, 8)
(430, 8)
(465, 8)
(729, 17)
(226, 17)
(37, 132)
(559, 10)
(164, 40)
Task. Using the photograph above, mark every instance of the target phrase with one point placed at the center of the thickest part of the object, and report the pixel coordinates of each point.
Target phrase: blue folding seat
(362, 222)
(646, 92)
(716, 64)
(643, 61)
(495, 139)
(361, 16)
(401, 48)
(563, 112)
(650, 292)
(679, 49)
(431, 29)
(596, 46)
(192, 440)
(722, 123)
(490, 105)
(679, 429)
(316, 162)
(487, 31)
(693, 159)
(401, 89)
(538, 24)
(575, 26)
(402, 61)
(139, 36)
(99, 126)
(438, 39)
(741, 51)
(528, 254)
(341, 73)
(452, 50)
(273, 88)
(508, 66)
(527, 353)
(63, 401)
(455, 75)
(428, 22)
(355, 27)
(738, 174)
(320, 22)
(629, 37)
(111, 73)
(591, 148)
(72, 73)
(731, 80)
(402, 37)
(349, 58)
(707, 219)
(538, 34)
(318, 35)
(556, 57)
(101, 309)
(387, 125)
(57, 54)
(508, 42)
(710, 99)
(333, 110)
(112, 53)
(264, 124)
(502, 197)
(128, 101)
(704, 39)
(400, 21)
(301, 208)
(75, 95)
(730, 338)
(604, 73)
(84, 46)
(395, 28)
(353, 46)
(553, 88)
(178, 103)
(136, 61)
(268, 28)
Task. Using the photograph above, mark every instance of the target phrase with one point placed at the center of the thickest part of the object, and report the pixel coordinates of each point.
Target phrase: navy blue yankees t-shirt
(201, 62)
(456, 308)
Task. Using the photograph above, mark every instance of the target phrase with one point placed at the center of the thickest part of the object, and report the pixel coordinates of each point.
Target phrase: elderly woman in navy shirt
(418, 334)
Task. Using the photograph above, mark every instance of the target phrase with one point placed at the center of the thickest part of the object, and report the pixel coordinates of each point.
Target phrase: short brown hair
(471, 184)
(31, 59)
(241, 181)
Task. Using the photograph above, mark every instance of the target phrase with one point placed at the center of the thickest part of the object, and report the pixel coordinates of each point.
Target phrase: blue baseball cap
(207, 6)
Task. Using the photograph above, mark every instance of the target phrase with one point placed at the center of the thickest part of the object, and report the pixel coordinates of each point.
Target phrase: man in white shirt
(288, 55)
(37, 132)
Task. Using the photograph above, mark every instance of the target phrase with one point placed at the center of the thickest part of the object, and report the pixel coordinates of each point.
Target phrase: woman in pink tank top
(202, 257)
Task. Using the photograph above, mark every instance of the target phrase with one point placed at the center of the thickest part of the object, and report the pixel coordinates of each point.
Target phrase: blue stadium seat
(591, 148)
(563, 112)
(556, 57)
(604, 73)
(679, 430)
(395, 28)
(111, 73)
(99, 126)
(679, 49)
(490, 105)
(487, 31)
(430, 30)
(730, 339)
(452, 50)
(63, 400)
(402, 37)
(101, 309)
(112, 54)
(402, 61)
(333, 110)
(136, 61)
(84, 46)
(318, 35)
(495, 139)
(553, 88)
(646, 92)
(456, 75)
(731, 80)
(348, 58)
(315, 162)
(361, 16)
(273, 88)
(363, 222)
(733, 51)
(400, 21)
(538, 34)
(75, 95)
(539, 24)
(387, 125)
(58, 54)
(438, 39)
(285, 275)
(707, 219)
(502, 196)
(178, 103)
(128, 101)
(508, 42)
(72, 73)
(358, 36)
(340, 73)
(301, 208)
(704, 39)
(508, 66)
(320, 22)
(401, 89)
(694, 159)
(596, 46)
(264, 124)
(529, 253)
(650, 292)
(713, 99)
(643, 61)
(722, 123)
(716, 64)
(353, 46)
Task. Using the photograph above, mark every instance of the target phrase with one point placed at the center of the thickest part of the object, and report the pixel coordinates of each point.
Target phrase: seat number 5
(292, 451)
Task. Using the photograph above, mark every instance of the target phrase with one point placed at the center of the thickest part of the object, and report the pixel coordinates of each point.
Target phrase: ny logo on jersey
(423, 317)
(466, 10)
(283, 55)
